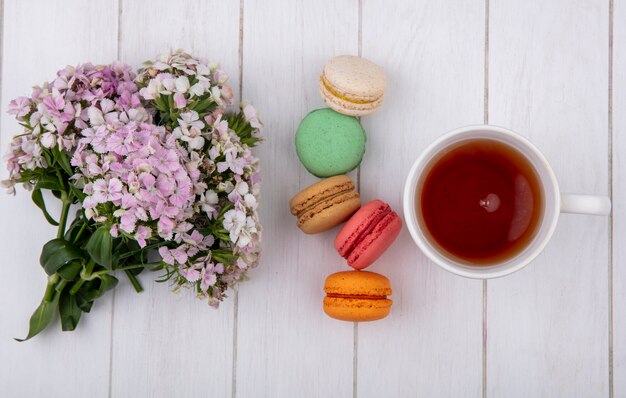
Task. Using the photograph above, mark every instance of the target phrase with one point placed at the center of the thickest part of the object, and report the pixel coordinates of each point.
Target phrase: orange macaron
(357, 296)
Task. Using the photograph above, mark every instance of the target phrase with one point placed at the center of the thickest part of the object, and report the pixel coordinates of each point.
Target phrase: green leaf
(42, 316)
(70, 271)
(48, 181)
(69, 310)
(83, 304)
(38, 199)
(250, 141)
(95, 288)
(100, 247)
(64, 161)
(203, 105)
(108, 282)
(58, 252)
(47, 156)
(74, 229)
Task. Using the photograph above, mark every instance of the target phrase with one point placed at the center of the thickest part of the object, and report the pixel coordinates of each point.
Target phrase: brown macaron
(325, 205)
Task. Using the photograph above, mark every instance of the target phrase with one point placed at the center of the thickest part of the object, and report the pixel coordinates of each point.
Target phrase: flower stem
(152, 246)
(80, 231)
(133, 280)
(64, 212)
(76, 286)
(89, 277)
(135, 266)
(52, 281)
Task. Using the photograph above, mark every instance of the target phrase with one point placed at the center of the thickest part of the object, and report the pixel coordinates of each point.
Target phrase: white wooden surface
(547, 69)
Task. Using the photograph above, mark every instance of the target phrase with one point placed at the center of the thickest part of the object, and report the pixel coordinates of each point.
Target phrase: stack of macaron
(330, 142)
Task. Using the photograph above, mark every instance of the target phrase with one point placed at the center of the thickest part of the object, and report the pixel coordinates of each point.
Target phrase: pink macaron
(368, 233)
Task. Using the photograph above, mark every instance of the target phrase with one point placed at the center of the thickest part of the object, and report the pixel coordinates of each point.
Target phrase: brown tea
(480, 201)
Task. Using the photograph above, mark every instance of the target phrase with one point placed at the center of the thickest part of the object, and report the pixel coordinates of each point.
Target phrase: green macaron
(329, 143)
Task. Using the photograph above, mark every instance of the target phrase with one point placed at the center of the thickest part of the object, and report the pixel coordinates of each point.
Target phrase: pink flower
(128, 201)
(191, 273)
(165, 185)
(48, 140)
(116, 143)
(166, 255)
(128, 221)
(19, 107)
(179, 101)
(165, 227)
(181, 195)
(219, 76)
(97, 138)
(165, 160)
(142, 234)
(107, 192)
(149, 192)
(180, 255)
(54, 102)
(232, 162)
(207, 277)
(251, 116)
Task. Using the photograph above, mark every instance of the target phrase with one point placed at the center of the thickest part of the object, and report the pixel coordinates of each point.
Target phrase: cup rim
(482, 272)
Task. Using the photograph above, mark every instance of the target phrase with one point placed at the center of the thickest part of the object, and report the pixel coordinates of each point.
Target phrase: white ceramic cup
(554, 202)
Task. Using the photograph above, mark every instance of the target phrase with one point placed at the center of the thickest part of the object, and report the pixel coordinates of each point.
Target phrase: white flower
(48, 140)
(216, 95)
(197, 89)
(107, 105)
(190, 130)
(152, 91)
(9, 185)
(190, 121)
(182, 84)
(251, 116)
(234, 221)
(214, 152)
(250, 201)
(202, 69)
(169, 85)
(95, 116)
(196, 142)
(247, 232)
(238, 191)
(225, 186)
(207, 201)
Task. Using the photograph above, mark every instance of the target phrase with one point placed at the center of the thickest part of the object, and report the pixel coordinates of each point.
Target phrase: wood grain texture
(619, 198)
(433, 55)
(166, 344)
(286, 345)
(548, 324)
(54, 363)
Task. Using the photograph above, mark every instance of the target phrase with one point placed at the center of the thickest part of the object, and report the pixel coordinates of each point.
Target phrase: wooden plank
(548, 324)
(166, 344)
(619, 198)
(431, 344)
(54, 363)
(287, 346)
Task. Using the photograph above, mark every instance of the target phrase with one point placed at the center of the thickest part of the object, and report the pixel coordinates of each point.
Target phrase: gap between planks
(111, 340)
(236, 298)
(1, 52)
(611, 218)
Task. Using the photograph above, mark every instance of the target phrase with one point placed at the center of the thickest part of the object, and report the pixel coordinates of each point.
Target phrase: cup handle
(585, 204)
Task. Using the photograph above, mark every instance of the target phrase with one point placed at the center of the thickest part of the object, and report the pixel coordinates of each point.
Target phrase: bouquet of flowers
(161, 174)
